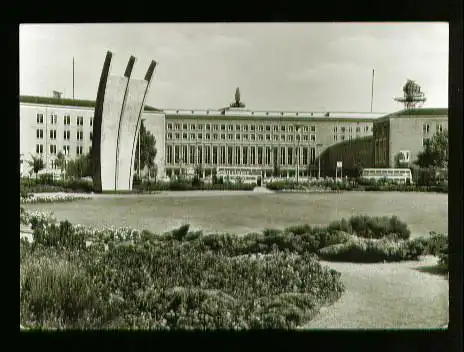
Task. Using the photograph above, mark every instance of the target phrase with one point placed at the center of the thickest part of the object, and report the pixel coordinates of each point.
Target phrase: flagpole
(372, 89)
(140, 129)
(73, 78)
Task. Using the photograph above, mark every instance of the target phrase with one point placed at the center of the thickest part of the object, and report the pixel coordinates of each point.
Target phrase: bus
(396, 175)
(240, 174)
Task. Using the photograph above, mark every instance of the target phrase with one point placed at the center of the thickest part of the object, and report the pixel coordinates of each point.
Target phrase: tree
(435, 153)
(147, 151)
(36, 164)
(80, 167)
(60, 162)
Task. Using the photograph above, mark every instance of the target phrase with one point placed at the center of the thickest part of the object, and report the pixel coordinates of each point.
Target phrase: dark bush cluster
(194, 185)
(48, 184)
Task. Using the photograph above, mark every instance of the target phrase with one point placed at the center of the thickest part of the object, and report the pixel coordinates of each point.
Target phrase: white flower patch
(53, 197)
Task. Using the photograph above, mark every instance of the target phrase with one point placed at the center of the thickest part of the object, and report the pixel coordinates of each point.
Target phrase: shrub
(362, 250)
(181, 232)
(61, 237)
(53, 290)
(378, 227)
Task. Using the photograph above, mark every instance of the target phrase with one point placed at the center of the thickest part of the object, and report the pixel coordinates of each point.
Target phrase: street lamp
(319, 160)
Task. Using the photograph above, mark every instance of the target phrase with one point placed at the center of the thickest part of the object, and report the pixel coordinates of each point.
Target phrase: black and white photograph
(233, 176)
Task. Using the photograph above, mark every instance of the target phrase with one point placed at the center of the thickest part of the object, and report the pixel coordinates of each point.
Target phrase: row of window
(66, 135)
(66, 120)
(228, 155)
(237, 137)
(380, 151)
(230, 127)
(343, 129)
(342, 137)
(426, 128)
(39, 149)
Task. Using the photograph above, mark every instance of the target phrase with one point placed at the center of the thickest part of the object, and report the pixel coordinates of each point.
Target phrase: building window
(40, 118)
(80, 135)
(177, 136)
(229, 155)
(289, 138)
(169, 126)
(207, 136)
(177, 126)
(268, 128)
(313, 155)
(52, 149)
(426, 128)
(425, 141)
(40, 134)
(282, 137)
(275, 128)
(67, 135)
(200, 136)
(223, 127)
(184, 136)
(439, 127)
(169, 154)
(275, 137)
(80, 121)
(313, 138)
(66, 149)
(230, 136)
(53, 119)
(91, 121)
(184, 126)
(91, 136)
(237, 137)
(67, 120)
(245, 155)
(342, 137)
(245, 128)
(335, 129)
(237, 127)
(230, 127)
(215, 127)
(252, 137)
(176, 154)
(215, 136)
(192, 136)
(52, 134)
(223, 136)
(237, 155)
(335, 137)
(252, 128)
(39, 148)
(208, 127)
(200, 126)
(366, 129)
(342, 129)
(290, 128)
(260, 128)
(215, 155)
(169, 135)
(306, 138)
(260, 137)
(268, 137)
(245, 137)
(358, 129)
(313, 129)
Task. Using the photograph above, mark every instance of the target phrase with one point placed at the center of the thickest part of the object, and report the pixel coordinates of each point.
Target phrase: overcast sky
(278, 66)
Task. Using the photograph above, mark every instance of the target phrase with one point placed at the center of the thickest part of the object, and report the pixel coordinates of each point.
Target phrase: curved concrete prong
(97, 122)
(130, 66)
(150, 71)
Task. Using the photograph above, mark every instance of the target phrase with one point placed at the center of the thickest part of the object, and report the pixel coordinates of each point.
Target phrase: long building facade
(275, 142)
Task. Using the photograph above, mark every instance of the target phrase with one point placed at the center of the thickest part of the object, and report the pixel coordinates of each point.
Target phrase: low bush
(378, 227)
(362, 250)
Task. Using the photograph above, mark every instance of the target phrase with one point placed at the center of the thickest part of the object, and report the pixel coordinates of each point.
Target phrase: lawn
(242, 212)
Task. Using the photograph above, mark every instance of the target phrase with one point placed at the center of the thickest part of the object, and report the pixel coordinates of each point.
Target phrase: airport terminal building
(286, 142)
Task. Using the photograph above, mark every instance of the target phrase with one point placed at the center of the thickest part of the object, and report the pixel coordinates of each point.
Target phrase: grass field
(247, 211)
(391, 295)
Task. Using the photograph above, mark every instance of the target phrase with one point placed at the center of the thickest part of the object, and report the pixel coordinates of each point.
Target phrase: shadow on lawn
(436, 269)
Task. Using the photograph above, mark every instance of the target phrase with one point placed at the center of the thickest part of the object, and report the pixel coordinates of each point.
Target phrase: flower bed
(52, 198)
